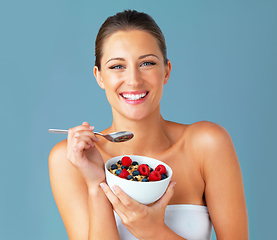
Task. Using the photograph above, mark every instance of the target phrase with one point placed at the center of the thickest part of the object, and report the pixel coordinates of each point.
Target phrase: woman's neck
(150, 135)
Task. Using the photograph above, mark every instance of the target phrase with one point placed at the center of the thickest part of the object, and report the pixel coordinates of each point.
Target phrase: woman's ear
(97, 75)
(167, 71)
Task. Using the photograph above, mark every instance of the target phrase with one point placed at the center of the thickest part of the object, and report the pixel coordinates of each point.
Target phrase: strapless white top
(188, 221)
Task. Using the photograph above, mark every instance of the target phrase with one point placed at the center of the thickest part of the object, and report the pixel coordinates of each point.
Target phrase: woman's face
(132, 73)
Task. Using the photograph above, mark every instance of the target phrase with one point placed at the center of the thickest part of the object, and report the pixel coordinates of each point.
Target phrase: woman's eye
(148, 64)
(116, 67)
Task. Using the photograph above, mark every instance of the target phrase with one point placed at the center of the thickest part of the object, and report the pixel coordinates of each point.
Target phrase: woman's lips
(134, 97)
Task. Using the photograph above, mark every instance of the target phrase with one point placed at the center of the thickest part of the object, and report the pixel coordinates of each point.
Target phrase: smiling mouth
(134, 97)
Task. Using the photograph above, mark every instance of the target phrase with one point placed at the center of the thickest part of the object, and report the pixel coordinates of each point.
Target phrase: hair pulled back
(124, 21)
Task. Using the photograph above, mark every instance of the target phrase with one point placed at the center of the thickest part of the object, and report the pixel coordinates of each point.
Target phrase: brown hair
(124, 21)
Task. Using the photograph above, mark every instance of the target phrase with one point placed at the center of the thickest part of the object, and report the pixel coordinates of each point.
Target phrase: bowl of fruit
(143, 178)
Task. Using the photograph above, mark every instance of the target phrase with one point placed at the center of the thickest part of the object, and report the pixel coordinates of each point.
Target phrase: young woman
(132, 66)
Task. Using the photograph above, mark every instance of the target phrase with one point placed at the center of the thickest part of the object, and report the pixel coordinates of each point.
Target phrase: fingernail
(91, 127)
(174, 183)
(102, 185)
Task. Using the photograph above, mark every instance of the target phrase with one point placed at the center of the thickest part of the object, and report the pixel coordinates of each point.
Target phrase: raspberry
(144, 169)
(155, 176)
(160, 169)
(126, 161)
(124, 173)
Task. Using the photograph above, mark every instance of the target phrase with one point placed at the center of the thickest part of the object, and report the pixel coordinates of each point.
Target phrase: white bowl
(143, 192)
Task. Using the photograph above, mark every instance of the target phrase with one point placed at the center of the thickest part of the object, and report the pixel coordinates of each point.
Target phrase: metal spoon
(113, 137)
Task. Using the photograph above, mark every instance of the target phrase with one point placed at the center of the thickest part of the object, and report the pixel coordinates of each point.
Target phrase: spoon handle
(65, 131)
(57, 131)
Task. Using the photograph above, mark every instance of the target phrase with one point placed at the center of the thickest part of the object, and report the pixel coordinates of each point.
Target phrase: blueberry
(151, 169)
(118, 171)
(122, 167)
(129, 177)
(145, 180)
(134, 163)
(136, 173)
(164, 176)
(114, 166)
(119, 162)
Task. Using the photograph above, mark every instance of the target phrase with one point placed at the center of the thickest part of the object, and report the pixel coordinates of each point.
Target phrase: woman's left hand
(141, 220)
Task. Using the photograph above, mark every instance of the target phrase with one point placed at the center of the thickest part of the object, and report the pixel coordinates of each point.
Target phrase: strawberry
(155, 176)
(144, 169)
(161, 169)
(124, 173)
(126, 161)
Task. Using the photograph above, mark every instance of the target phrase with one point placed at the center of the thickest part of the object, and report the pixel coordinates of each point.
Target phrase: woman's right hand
(83, 154)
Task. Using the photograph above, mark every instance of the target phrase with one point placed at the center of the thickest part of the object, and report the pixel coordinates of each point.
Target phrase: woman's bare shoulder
(59, 165)
(213, 146)
(206, 134)
(199, 134)
(59, 149)
(206, 140)
(57, 157)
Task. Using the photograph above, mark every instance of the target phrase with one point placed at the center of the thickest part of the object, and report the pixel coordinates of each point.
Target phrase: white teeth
(134, 96)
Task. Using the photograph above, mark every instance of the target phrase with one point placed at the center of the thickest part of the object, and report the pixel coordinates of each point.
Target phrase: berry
(155, 176)
(135, 179)
(119, 162)
(129, 177)
(124, 173)
(144, 169)
(126, 161)
(136, 173)
(114, 166)
(145, 180)
(118, 171)
(160, 169)
(124, 167)
(134, 163)
(164, 176)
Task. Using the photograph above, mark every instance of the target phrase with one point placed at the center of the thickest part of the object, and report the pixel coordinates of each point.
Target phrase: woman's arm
(221, 172)
(84, 208)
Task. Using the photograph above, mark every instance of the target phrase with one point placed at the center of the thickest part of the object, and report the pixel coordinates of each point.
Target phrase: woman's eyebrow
(141, 57)
(117, 58)
(147, 55)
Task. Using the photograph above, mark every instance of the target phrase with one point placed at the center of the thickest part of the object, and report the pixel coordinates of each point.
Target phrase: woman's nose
(133, 77)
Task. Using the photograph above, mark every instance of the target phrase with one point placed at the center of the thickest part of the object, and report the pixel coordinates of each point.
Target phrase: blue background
(224, 70)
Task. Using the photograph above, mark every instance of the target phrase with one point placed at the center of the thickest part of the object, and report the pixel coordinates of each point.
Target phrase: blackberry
(114, 166)
(164, 176)
(136, 173)
(118, 171)
(129, 177)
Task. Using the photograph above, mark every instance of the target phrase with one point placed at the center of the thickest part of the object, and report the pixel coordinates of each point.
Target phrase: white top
(189, 221)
